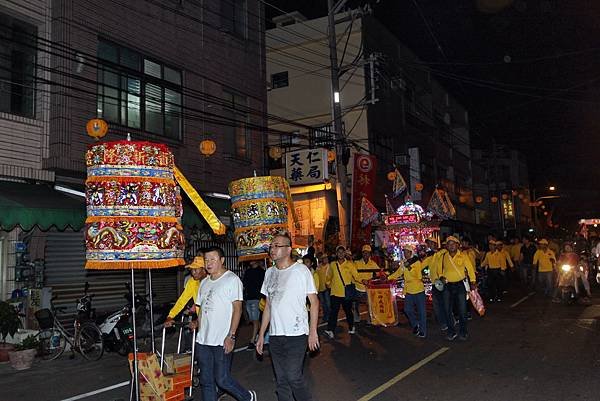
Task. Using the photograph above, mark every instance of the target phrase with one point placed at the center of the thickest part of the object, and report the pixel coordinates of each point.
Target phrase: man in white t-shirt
(220, 300)
(286, 286)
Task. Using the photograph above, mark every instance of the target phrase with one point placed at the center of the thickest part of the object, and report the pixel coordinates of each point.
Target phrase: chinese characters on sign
(401, 219)
(307, 166)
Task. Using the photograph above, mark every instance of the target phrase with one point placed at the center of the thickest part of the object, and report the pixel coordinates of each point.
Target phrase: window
(279, 80)
(322, 137)
(236, 130)
(17, 66)
(233, 17)
(138, 92)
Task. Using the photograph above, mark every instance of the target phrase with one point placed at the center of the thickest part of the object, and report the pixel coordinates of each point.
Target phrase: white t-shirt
(215, 298)
(286, 291)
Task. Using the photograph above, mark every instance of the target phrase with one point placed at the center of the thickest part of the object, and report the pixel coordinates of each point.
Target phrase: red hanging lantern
(208, 147)
(494, 199)
(96, 128)
(418, 187)
(391, 176)
(479, 199)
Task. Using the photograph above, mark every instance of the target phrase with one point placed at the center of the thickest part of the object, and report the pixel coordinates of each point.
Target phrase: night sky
(528, 71)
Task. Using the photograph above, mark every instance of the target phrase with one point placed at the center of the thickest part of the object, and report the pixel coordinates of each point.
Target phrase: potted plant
(24, 354)
(9, 325)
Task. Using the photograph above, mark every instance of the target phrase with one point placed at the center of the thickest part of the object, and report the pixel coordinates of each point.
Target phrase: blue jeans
(215, 370)
(414, 307)
(439, 308)
(325, 301)
(455, 296)
(287, 354)
(545, 278)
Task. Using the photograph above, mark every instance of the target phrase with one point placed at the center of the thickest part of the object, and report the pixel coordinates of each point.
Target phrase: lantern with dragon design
(134, 207)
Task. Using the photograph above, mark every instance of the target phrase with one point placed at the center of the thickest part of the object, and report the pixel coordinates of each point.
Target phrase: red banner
(363, 185)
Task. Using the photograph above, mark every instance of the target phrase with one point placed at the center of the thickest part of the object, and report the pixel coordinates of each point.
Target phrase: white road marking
(525, 298)
(402, 375)
(102, 390)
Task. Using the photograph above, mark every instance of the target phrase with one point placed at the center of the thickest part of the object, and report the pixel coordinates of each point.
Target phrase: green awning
(30, 205)
(193, 218)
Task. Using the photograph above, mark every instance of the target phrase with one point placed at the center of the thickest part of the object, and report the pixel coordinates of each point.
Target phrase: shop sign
(307, 166)
(401, 219)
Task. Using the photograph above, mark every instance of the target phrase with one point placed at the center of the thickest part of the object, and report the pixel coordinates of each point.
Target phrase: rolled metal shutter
(65, 272)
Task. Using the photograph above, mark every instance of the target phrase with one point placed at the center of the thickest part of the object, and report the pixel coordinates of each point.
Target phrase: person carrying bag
(343, 292)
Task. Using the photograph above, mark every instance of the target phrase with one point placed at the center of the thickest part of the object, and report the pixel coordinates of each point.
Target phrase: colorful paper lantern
(275, 152)
(260, 207)
(96, 128)
(479, 199)
(330, 156)
(208, 147)
(391, 176)
(133, 206)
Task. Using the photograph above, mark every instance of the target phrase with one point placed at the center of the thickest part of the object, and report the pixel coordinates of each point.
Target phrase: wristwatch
(232, 336)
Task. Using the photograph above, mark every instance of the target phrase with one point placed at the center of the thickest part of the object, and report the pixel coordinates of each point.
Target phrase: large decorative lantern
(133, 206)
(260, 207)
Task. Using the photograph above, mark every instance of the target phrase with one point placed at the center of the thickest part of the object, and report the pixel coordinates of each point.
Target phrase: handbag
(477, 302)
(350, 289)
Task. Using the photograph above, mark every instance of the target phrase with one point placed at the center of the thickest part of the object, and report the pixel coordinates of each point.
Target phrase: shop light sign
(401, 219)
(308, 166)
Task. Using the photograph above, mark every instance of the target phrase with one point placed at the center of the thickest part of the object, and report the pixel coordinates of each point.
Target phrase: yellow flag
(210, 217)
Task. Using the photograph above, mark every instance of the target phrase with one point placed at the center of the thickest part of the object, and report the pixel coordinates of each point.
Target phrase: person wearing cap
(505, 263)
(453, 268)
(414, 291)
(197, 274)
(432, 260)
(367, 268)
(544, 260)
(341, 273)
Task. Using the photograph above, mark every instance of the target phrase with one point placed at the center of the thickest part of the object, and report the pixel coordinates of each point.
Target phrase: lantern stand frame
(135, 379)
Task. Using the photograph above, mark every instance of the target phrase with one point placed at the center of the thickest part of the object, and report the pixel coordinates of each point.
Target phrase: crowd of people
(285, 301)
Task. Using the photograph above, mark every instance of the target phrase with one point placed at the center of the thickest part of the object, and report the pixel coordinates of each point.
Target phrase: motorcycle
(117, 331)
(142, 314)
(566, 284)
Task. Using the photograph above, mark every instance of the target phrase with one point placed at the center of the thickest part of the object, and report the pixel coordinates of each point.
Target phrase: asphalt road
(531, 351)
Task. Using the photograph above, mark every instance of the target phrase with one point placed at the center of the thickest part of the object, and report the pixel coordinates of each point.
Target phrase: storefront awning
(30, 205)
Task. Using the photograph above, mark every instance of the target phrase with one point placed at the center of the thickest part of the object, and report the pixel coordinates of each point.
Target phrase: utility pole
(336, 111)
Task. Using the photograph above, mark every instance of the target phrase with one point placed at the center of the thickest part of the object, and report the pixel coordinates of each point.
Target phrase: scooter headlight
(566, 268)
(581, 268)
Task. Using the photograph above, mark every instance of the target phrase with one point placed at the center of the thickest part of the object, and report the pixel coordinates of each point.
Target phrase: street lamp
(552, 188)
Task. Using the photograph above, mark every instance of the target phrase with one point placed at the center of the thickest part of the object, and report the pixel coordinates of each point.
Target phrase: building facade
(170, 72)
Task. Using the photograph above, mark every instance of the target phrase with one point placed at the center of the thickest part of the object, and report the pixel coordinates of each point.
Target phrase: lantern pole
(151, 311)
(135, 380)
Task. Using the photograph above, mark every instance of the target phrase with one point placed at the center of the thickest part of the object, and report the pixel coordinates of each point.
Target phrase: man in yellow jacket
(454, 267)
(545, 260)
(366, 268)
(197, 273)
(414, 291)
(342, 273)
(437, 297)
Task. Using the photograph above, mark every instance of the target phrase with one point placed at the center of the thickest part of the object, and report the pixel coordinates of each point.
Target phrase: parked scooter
(142, 314)
(117, 331)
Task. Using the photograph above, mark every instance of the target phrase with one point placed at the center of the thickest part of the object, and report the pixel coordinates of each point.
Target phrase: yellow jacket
(453, 268)
(365, 271)
(472, 254)
(190, 291)
(413, 277)
(515, 252)
(349, 273)
(316, 279)
(322, 272)
(497, 260)
(543, 259)
(434, 264)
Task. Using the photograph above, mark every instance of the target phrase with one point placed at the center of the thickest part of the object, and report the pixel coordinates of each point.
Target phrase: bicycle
(53, 336)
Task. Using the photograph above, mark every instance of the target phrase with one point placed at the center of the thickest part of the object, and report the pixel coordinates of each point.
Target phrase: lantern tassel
(211, 218)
